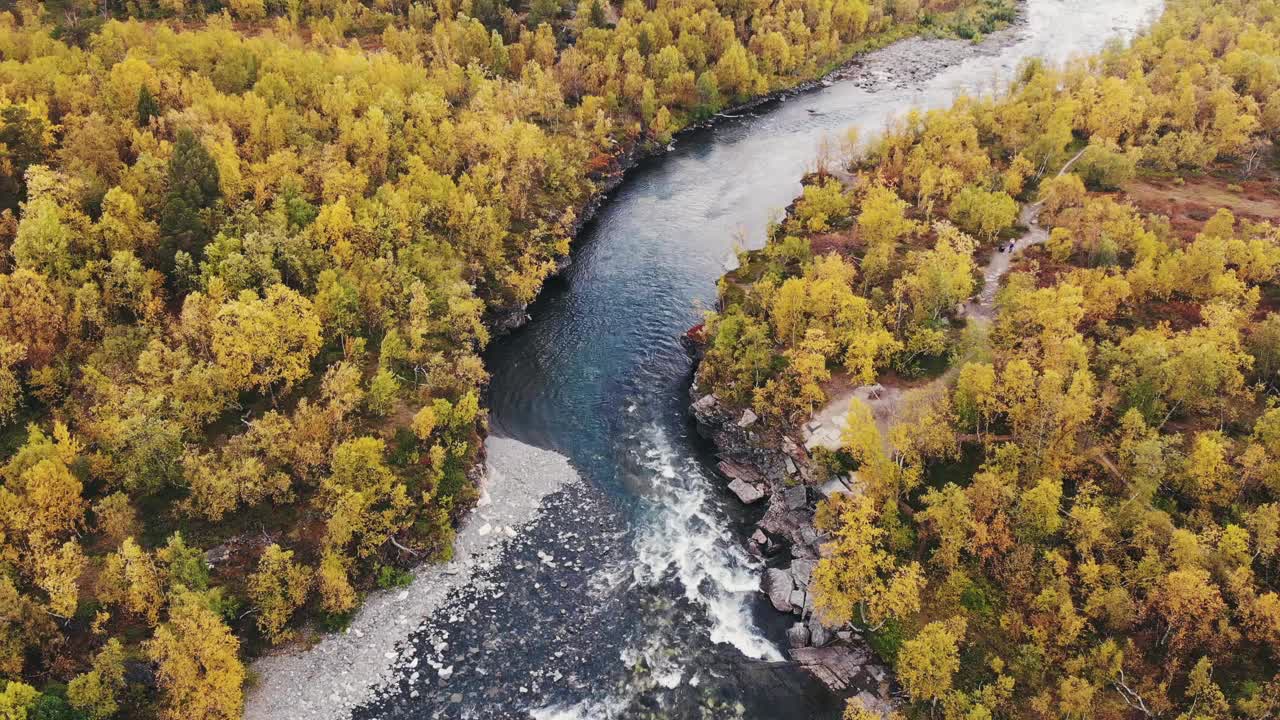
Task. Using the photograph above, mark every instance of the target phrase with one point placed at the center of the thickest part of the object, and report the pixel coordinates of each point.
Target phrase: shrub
(1104, 169)
(391, 577)
(887, 641)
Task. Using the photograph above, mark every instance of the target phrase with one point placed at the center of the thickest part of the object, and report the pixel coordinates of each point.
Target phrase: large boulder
(758, 543)
(793, 451)
(777, 585)
(841, 667)
(802, 572)
(780, 522)
(738, 471)
(504, 320)
(796, 498)
(705, 407)
(746, 492)
(809, 536)
(876, 704)
(819, 635)
(799, 601)
(798, 636)
(218, 554)
(796, 460)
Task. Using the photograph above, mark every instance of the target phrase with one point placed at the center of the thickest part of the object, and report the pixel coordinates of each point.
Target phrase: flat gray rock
(705, 404)
(819, 635)
(796, 497)
(802, 572)
(836, 665)
(798, 635)
(798, 600)
(738, 471)
(777, 585)
(746, 492)
(835, 486)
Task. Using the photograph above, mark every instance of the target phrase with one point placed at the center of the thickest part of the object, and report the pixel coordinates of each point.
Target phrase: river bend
(631, 595)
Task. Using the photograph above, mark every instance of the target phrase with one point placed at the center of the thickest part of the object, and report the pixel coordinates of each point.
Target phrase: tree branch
(411, 551)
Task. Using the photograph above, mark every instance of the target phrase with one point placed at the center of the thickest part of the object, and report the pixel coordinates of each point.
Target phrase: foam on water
(654, 664)
(683, 538)
(585, 710)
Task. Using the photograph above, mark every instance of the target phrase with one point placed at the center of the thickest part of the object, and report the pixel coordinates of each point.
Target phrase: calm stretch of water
(643, 603)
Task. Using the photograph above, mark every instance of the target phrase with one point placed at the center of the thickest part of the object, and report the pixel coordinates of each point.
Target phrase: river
(631, 595)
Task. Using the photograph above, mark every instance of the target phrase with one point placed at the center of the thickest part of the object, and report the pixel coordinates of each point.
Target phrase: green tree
(882, 222)
(1104, 169)
(16, 699)
(857, 577)
(362, 498)
(543, 11)
(130, 579)
(148, 108)
(262, 341)
(983, 213)
(186, 222)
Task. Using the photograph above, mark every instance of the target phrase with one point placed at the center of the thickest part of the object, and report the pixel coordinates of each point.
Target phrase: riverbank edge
(344, 670)
(762, 464)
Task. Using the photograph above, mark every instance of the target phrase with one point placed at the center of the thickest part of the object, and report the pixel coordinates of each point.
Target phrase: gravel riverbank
(328, 680)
